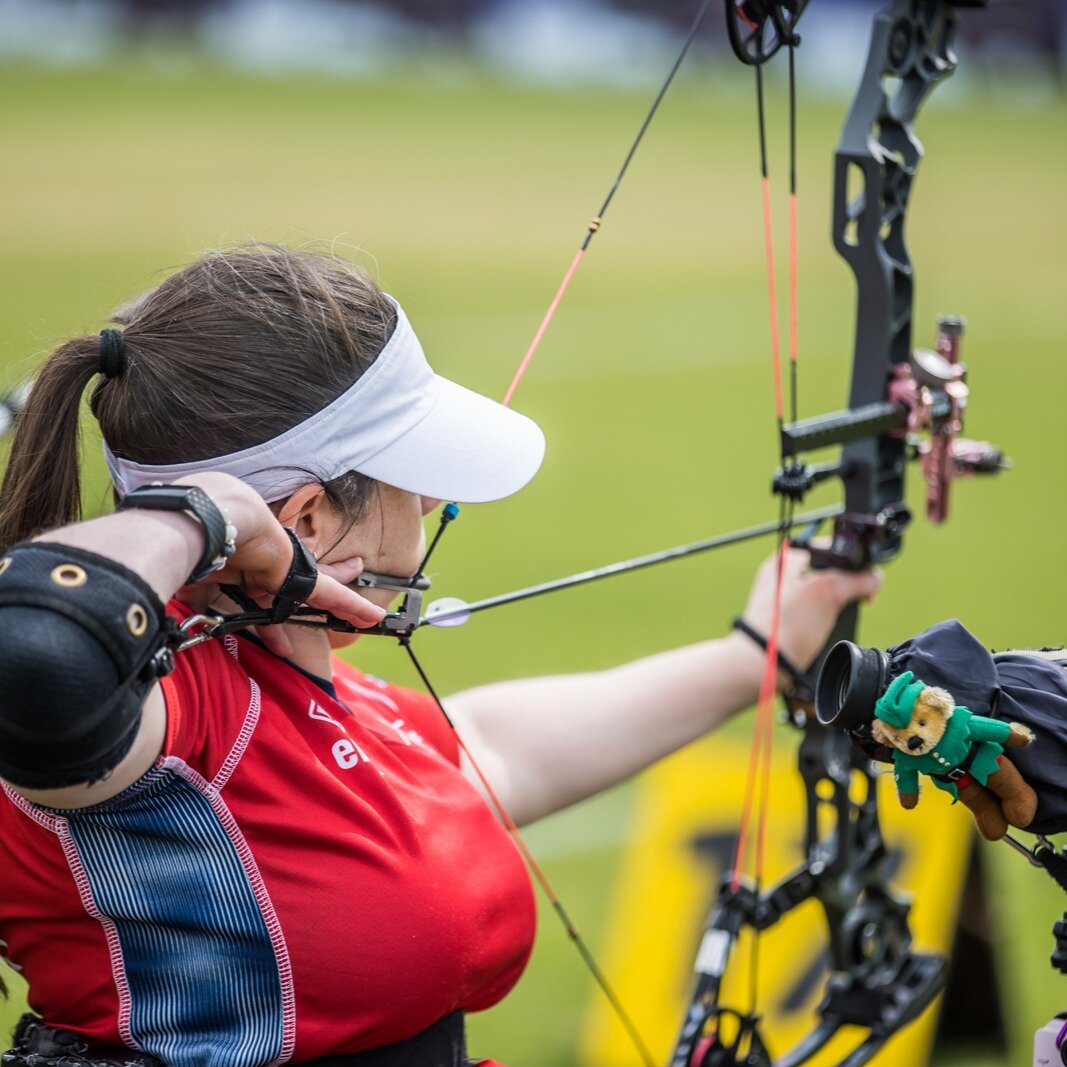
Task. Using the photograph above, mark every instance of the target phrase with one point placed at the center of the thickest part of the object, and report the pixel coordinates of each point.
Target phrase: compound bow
(878, 983)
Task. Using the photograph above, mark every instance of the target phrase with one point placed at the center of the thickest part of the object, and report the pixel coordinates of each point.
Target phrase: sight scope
(850, 682)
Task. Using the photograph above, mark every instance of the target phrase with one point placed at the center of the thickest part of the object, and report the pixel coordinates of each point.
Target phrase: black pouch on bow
(1016, 686)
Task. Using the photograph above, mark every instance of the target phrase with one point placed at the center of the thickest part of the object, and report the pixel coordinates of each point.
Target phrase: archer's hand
(811, 602)
(264, 554)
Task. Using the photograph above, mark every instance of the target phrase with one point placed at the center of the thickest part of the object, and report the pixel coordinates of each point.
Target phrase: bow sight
(926, 395)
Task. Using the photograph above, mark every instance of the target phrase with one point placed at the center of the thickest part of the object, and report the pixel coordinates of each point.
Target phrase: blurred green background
(467, 196)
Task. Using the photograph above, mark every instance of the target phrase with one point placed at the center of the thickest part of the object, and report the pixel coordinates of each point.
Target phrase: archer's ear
(306, 513)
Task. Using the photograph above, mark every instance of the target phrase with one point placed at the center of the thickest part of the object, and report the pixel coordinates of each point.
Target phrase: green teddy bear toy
(961, 751)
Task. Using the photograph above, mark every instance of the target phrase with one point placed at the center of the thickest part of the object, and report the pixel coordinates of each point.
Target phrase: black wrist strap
(298, 585)
(192, 499)
(802, 683)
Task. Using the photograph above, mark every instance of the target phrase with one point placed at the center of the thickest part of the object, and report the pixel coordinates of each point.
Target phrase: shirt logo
(346, 753)
(411, 738)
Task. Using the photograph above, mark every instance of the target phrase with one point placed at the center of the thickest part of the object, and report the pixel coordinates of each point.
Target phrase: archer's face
(390, 539)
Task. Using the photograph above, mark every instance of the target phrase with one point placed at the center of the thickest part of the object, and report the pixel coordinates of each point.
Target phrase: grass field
(467, 197)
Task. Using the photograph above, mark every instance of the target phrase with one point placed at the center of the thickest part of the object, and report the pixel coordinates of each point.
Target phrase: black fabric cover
(1012, 686)
(442, 1044)
(38, 1045)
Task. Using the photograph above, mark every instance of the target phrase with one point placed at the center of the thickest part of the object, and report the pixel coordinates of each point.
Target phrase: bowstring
(537, 871)
(597, 220)
(793, 287)
(573, 933)
(760, 763)
(756, 802)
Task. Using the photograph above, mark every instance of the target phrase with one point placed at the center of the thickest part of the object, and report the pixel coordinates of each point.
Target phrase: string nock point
(448, 513)
(594, 223)
(196, 630)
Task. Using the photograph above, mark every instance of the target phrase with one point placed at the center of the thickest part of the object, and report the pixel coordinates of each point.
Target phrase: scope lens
(850, 682)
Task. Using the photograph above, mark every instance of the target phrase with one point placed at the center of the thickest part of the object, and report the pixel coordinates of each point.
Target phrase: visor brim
(468, 448)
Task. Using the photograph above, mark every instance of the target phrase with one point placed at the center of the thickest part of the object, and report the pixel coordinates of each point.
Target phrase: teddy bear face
(929, 718)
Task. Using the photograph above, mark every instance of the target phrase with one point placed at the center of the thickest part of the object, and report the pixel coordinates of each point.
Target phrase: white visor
(399, 423)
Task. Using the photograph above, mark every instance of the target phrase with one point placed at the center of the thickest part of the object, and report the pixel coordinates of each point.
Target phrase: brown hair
(224, 355)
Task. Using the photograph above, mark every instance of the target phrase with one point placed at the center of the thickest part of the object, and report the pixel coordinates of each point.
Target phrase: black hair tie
(112, 353)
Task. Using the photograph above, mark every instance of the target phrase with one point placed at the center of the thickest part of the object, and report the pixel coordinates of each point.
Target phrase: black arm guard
(82, 640)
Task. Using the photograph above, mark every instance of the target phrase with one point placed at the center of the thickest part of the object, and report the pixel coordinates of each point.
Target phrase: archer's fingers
(345, 571)
(857, 585)
(330, 595)
(843, 585)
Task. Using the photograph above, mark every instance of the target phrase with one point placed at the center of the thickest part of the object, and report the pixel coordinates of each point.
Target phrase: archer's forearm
(549, 742)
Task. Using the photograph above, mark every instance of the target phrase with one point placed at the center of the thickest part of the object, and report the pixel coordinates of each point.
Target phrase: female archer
(249, 852)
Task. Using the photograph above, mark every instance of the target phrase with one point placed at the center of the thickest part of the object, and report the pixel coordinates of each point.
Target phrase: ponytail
(289, 331)
(42, 484)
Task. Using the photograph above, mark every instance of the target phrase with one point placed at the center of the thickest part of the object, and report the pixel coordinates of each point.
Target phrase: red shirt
(296, 877)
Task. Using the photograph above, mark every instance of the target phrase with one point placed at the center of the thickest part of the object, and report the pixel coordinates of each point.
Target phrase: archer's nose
(914, 742)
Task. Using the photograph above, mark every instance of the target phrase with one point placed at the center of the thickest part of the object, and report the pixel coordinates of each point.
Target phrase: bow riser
(875, 165)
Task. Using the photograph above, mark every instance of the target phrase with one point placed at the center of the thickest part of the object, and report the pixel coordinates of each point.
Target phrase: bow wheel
(732, 1040)
(758, 28)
